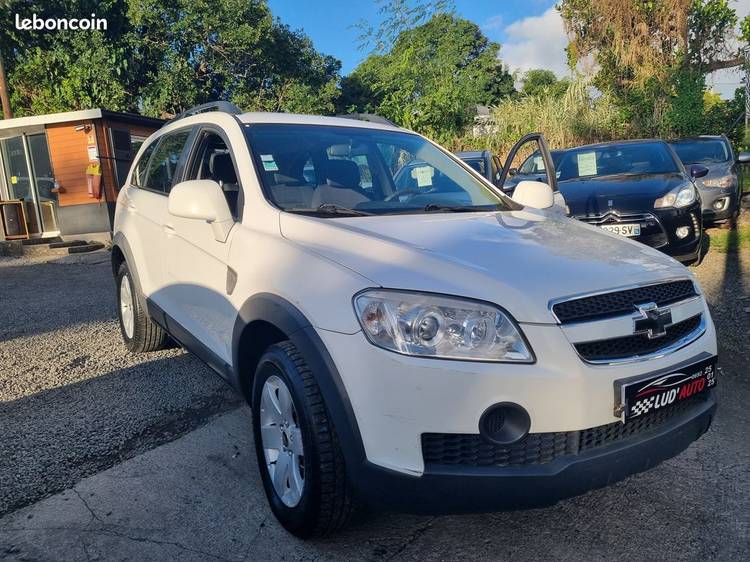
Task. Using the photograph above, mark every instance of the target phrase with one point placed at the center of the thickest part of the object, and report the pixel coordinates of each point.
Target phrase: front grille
(607, 305)
(541, 448)
(637, 344)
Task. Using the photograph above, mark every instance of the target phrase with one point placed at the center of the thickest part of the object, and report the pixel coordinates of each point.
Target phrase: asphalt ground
(73, 402)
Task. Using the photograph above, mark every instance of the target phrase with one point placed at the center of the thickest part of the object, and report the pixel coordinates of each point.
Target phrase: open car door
(549, 166)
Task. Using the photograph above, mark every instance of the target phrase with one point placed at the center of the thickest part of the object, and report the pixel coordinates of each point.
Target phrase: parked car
(531, 169)
(721, 188)
(637, 189)
(483, 161)
(407, 348)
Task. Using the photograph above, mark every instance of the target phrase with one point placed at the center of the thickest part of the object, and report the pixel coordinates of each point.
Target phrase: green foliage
(161, 57)
(539, 82)
(569, 120)
(432, 79)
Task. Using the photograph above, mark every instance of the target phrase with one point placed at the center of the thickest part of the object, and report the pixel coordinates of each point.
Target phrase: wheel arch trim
(287, 318)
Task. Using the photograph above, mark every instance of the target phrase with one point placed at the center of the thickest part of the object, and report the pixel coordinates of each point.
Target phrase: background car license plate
(623, 229)
(640, 398)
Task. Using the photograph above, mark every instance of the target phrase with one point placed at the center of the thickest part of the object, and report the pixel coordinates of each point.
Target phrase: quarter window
(163, 165)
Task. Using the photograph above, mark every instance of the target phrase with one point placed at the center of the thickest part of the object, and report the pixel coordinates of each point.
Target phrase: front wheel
(299, 456)
(139, 332)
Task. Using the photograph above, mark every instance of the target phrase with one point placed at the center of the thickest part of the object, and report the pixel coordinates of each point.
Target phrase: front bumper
(710, 195)
(395, 399)
(454, 490)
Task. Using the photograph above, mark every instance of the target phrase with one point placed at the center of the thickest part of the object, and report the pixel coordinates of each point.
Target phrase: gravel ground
(73, 400)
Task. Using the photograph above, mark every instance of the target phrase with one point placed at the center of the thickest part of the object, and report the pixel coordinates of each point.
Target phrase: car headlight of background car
(724, 181)
(678, 198)
(431, 325)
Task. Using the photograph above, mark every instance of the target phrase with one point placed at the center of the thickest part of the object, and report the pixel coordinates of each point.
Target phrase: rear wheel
(299, 456)
(139, 332)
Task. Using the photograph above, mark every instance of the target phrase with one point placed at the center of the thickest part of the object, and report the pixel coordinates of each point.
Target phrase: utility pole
(746, 52)
(7, 113)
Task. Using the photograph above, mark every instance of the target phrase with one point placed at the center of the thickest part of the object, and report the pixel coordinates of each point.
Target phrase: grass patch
(730, 240)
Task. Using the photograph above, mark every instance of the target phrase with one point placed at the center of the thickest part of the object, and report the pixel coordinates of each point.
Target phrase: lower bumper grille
(638, 344)
(541, 448)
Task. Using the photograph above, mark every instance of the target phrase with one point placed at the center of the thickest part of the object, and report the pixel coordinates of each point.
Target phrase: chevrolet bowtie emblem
(653, 321)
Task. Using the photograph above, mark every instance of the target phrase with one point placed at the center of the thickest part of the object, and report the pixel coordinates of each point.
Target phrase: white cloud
(492, 24)
(536, 42)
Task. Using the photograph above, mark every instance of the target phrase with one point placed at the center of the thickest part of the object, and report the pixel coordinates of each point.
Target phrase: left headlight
(430, 325)
(680, 197)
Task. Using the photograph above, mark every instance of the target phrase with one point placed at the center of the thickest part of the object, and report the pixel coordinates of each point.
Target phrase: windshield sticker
(538, 163)
(586, 163)
(423, 175)
(269, 164)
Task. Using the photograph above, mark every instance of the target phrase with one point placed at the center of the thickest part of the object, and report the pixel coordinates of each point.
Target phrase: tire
(324, 501)
(139, 332)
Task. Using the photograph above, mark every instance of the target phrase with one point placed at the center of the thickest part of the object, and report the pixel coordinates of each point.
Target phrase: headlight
(724, 181)
(443, 327)
(680, 197)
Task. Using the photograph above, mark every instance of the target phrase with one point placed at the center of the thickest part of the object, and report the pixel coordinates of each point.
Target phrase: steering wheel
(405, 192)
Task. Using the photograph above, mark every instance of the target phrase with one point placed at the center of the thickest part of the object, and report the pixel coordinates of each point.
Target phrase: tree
(539, 82)
(653, 56)
(163, 57)
(432, 79)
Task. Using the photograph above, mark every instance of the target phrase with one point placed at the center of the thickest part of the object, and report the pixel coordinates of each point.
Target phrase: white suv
(405, 334)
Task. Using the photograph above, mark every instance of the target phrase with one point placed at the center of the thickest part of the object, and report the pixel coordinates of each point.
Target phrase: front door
(29, 178)
(198, 278)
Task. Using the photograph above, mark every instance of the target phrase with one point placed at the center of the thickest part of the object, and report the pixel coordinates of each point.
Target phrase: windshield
(534, 164)
(616, 159)
(330, 168)
(696, 151)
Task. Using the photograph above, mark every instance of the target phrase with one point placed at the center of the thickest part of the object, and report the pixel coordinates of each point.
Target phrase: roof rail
(223, 106)
(371, 117)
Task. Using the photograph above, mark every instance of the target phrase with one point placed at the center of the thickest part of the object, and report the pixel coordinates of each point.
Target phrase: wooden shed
(61, 172)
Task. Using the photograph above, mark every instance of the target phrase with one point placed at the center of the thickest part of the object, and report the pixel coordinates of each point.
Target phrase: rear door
(146, 206)
(197, 271)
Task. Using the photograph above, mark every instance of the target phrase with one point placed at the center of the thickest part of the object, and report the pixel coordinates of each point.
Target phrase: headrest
(342, 173)
(221, 167)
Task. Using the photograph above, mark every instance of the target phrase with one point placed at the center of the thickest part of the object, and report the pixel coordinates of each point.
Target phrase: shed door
(122, 152)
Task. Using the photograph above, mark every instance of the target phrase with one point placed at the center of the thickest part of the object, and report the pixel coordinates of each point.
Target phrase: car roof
(471, 153)
(698, 137)
(618, 142)
(258, 117)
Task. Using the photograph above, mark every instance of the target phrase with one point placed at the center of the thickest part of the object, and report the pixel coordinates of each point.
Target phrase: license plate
(623, 229)
(662, 391)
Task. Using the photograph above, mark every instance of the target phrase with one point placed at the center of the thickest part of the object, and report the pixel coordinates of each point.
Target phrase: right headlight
(678, 198)
(429, 325)
(724, 181)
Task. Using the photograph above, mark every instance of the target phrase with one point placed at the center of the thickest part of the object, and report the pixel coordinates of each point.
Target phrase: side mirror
(698, 171)
(512, 171)
(202, 200)
(743, 157)
(535, 194)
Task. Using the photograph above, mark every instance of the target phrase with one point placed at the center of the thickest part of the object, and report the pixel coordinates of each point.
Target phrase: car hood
(634, 194)
(520, 260)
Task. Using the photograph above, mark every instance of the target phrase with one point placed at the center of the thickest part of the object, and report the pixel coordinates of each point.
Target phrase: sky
(530, 31)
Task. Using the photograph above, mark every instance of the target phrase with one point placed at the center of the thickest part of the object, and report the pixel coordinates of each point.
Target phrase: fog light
(719, 204)
(504, 424)
(682, 231)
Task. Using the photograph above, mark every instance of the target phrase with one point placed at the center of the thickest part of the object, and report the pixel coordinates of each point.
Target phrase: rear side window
(163, 164)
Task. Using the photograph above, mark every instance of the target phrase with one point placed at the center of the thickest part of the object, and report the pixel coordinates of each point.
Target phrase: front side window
(141, 167)
(163, 164)
(212, 160)
(315, 167)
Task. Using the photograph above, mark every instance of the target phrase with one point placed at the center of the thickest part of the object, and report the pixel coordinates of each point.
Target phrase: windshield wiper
(436, 208)
(331, 209)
